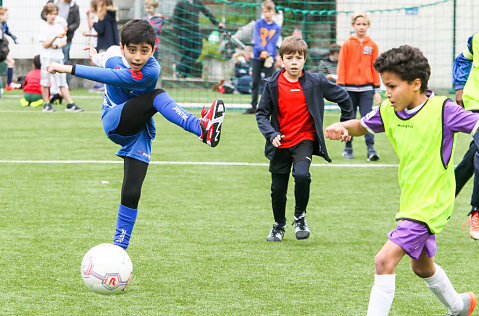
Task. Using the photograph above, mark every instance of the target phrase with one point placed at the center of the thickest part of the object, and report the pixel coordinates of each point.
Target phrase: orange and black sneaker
(473, 224)
(210, 123)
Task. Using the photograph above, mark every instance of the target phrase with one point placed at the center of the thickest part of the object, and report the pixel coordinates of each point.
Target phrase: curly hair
(407, 62)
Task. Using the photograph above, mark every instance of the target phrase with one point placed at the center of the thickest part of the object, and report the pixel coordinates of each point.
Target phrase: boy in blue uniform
(130, 73)
(265, 37)
(421, 127)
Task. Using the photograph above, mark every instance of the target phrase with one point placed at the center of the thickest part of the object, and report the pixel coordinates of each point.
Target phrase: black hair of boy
(37, 62)
(407, 62)
(137, 31)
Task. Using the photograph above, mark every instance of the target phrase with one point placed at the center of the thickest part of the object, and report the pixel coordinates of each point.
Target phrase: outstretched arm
(61, 68)
(344, 130)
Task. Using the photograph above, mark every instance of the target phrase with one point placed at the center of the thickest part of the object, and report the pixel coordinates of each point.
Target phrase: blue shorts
(137, 146)
(413, 238)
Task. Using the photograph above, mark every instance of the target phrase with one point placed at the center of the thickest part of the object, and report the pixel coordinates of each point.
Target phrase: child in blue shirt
(130, 100)
(265, 37)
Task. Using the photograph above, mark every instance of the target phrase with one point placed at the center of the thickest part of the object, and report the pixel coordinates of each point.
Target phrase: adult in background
(107, 25)
(69, 10)
(187, 28)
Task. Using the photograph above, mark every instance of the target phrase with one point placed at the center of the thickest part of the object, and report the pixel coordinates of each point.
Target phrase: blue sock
(9, 75)
(124, 226)
(167, 107)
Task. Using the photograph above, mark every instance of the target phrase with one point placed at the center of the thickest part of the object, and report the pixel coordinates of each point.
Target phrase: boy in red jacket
(290, 117)
(32, 89)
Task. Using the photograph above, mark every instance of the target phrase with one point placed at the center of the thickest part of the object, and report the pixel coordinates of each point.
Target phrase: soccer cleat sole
(302, 235)
(273, 239)
(215, 131)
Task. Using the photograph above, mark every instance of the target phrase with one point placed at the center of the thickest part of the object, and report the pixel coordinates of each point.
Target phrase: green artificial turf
(199, 243)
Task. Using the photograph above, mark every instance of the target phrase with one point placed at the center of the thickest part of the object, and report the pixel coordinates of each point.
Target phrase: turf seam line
(208, 163)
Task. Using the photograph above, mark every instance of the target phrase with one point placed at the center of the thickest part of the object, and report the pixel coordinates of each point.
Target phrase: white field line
(241, 106)
(208, 163)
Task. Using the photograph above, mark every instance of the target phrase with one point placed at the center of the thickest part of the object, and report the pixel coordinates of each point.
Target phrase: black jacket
(107, 29)
(315, 87)
(73, 20)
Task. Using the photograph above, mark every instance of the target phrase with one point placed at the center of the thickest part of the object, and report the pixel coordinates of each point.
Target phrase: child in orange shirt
(356, 74)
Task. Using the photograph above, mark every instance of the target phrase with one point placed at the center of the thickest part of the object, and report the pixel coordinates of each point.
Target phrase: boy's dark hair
(49, 7)
(293, 44)
(407, 62)
(37, 62)
(136, 32)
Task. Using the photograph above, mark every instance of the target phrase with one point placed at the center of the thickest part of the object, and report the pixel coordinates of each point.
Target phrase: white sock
(382, 294)
(440, 285)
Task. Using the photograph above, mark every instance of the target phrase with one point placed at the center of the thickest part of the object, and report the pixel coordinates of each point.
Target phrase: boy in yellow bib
(421, 127)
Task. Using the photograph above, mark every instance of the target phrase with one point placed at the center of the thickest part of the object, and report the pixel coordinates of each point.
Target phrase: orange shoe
(469, 300)
(473, 224)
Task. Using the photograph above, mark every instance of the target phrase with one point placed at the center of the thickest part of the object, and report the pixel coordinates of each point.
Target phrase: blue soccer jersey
(123, 84)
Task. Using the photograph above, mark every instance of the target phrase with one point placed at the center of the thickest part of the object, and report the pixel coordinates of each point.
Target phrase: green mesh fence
(196, 54)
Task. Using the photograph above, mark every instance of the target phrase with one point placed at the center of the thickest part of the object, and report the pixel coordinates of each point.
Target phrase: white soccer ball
(106, 269)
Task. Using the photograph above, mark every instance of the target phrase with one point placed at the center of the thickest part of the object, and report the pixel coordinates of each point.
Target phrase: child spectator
(290, 117)
(421, 128)
(130, 101)
(52, 36)
(92, 34)
(329, 66)
(9, 85)
(70, 12)
(91, 17)
(107, 25)
(157, 21)
(357, 75)
(265, 37)
(242, 77)
(32, 90)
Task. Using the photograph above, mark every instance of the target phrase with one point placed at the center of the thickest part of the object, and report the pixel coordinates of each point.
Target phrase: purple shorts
(414, 238)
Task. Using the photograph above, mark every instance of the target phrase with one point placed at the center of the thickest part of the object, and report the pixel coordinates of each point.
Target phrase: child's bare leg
(45, 94)
(65, 93)
(382, 292)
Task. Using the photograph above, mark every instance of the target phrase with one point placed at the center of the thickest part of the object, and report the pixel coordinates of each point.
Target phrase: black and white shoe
(72, 107)
(47, 107)
(301, 227)
(372, 154)
(277, 233)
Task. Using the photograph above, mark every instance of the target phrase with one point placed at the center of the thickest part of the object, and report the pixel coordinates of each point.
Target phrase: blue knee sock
(167, 107)
(9, 75)
(124, 226)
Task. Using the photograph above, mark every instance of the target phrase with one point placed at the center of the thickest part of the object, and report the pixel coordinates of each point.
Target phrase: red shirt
(32, 82)
(295, 121)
